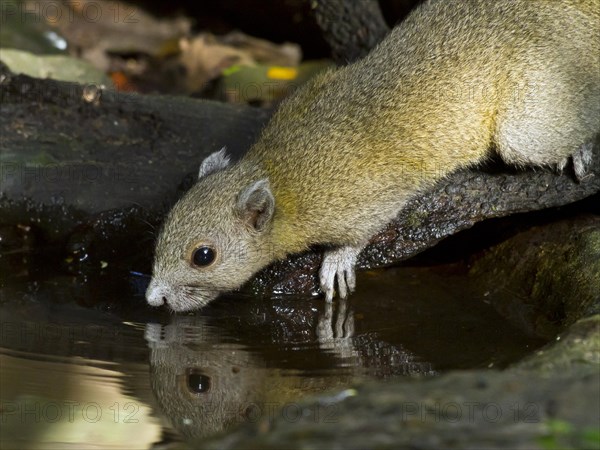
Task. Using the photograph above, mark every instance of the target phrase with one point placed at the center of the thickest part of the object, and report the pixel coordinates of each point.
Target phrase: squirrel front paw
(340, 264)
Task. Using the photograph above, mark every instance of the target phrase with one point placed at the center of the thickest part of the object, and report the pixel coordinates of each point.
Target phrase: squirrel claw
(340, 264)
(582, 159)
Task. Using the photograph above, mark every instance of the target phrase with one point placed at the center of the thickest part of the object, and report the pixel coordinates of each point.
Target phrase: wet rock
(462, 410)
(575, 351)
(16, 238)
(547, 277)
(106, 238)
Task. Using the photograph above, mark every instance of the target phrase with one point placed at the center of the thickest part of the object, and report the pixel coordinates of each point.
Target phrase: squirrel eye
(198, 383)
(203, 256)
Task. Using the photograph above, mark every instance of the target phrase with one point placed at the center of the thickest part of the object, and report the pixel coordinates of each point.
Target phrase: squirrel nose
(156, 295)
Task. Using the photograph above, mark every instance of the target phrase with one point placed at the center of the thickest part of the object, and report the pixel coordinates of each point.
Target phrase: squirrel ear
(213, 163)
(256, 204)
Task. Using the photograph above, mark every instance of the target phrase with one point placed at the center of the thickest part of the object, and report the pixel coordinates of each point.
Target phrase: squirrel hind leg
(340, 265)
(548, 121)
(533, 141)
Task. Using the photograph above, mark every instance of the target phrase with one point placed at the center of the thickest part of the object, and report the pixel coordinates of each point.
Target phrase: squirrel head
(214, 239)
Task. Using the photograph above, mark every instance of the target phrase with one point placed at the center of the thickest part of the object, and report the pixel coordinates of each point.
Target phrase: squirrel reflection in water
(207, 380)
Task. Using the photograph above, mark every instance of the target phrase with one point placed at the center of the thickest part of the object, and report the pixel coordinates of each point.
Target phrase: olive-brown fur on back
(456, 77)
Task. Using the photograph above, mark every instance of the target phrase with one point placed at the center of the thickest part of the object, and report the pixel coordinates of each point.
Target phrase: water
(84, 364)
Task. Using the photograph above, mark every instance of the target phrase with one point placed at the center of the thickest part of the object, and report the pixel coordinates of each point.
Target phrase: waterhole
(85, 364)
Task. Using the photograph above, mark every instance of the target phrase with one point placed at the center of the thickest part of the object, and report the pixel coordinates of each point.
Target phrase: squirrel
(453, 83)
